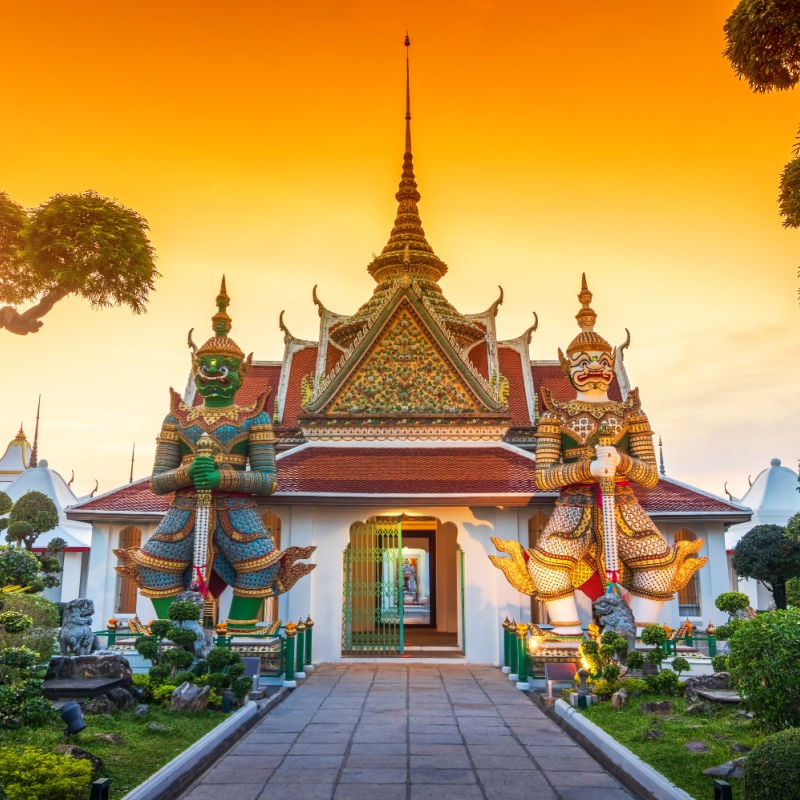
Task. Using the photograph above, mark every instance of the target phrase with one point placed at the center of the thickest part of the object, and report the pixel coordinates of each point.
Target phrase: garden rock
(730, 769)
(662, 707)
(121, 698)
(191, 698)
(719, 681)
(740, 748)
(78, 752)
(105, 665)
(142, 710)
(111, 738)
(154, 726)
(619, 698)
(696, 747)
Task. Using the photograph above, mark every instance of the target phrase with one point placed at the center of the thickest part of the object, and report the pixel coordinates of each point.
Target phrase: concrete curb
(186, 768)
(618, 760)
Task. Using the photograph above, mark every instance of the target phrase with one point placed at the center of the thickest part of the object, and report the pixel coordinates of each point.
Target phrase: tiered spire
(407, 256)
(407, 231)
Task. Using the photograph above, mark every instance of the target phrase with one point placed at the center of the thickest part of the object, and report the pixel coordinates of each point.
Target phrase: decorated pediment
(406, 364)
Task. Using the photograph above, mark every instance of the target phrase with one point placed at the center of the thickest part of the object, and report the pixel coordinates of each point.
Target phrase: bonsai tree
(793, 584)
(32, 515)
(768, 555)
(655, 635)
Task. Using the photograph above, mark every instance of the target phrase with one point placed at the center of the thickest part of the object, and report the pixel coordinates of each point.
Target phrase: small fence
(284, 651)
(521, 659)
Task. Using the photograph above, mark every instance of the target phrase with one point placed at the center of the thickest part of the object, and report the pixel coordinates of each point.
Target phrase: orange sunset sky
(265, 141)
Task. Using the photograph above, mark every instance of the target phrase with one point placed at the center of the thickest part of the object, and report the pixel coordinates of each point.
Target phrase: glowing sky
(265, 140)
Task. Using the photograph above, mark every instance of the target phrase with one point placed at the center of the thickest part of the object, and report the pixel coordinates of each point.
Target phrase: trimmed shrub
(31, 774)
(772, 768)
(720, 663)
(183, 610)
(763, 659)
(163, 694)
(635, 659)
(634, 686)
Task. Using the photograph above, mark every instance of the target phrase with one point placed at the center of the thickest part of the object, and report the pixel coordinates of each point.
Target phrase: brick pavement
(406, 731)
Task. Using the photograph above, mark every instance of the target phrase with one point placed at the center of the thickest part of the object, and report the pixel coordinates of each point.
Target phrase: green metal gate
(372, 608)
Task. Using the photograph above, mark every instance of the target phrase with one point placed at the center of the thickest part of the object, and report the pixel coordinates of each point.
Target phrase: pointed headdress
(587, 339)
(220, 344)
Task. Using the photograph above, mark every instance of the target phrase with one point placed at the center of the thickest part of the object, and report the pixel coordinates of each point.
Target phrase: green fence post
(506, 646)
(301, 649)
(522, 656)
(289, 681)
(309, 626)
(712, 645)
(513, 652)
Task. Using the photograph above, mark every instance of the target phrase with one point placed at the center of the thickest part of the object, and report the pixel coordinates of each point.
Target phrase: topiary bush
(772, 768)
(732, 602)
(763, 659)
(32, 774)
(720, 663)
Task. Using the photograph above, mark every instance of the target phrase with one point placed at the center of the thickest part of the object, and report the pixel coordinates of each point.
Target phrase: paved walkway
(399, 731)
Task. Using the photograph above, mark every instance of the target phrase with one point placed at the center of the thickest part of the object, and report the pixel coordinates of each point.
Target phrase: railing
(519, 655)
(293, 654)
(704, 642)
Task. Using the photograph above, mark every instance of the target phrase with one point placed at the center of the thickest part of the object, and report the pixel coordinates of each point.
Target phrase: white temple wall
(488, 596)
(70, 577)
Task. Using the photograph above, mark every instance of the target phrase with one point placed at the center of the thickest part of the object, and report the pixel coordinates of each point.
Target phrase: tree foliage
(764, 654)
(33, 514)
(81, 244)
(768, 555)
(763, 46)
(763, 43)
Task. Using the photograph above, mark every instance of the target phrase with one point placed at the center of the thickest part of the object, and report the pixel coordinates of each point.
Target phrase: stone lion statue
(614, 614)
(75, 636)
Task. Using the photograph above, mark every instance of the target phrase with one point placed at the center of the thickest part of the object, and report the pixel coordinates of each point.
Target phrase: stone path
(399, 731)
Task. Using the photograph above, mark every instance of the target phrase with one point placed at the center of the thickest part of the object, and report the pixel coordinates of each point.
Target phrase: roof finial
(34, 461)
(133, 457)
(661, 468)
(408, 97)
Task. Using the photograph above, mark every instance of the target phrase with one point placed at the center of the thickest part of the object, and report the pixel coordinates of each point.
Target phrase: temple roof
(421, 473)
(15, 460)
(774, 498)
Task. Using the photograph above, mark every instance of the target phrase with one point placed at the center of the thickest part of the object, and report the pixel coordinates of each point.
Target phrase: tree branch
(30, 321)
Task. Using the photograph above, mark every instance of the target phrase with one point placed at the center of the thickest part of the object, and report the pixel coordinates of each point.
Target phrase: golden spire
(407, 230)
(34, 459)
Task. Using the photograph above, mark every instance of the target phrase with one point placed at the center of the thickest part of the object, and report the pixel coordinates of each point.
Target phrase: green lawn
(142, 750)
(666, 752)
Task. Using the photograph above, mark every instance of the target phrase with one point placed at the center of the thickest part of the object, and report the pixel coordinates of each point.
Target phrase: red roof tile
(405, 470)
(511, 367)
(133, 498)
(303, 363)
(346, 473)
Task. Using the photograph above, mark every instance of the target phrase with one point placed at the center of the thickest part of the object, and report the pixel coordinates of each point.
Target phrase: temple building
(405, 443)
(15, 460)
(21, 471)
(774, 498)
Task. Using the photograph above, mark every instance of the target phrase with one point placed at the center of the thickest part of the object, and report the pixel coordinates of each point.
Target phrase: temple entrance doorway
(401, 588)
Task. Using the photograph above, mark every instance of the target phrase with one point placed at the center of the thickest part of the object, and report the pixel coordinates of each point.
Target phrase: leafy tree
(793, 584)
(768, 555)
(82, 244)
(763, 46)
(33, 514)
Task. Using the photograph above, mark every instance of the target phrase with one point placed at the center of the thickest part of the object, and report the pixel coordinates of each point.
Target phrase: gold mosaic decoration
(404, 372)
